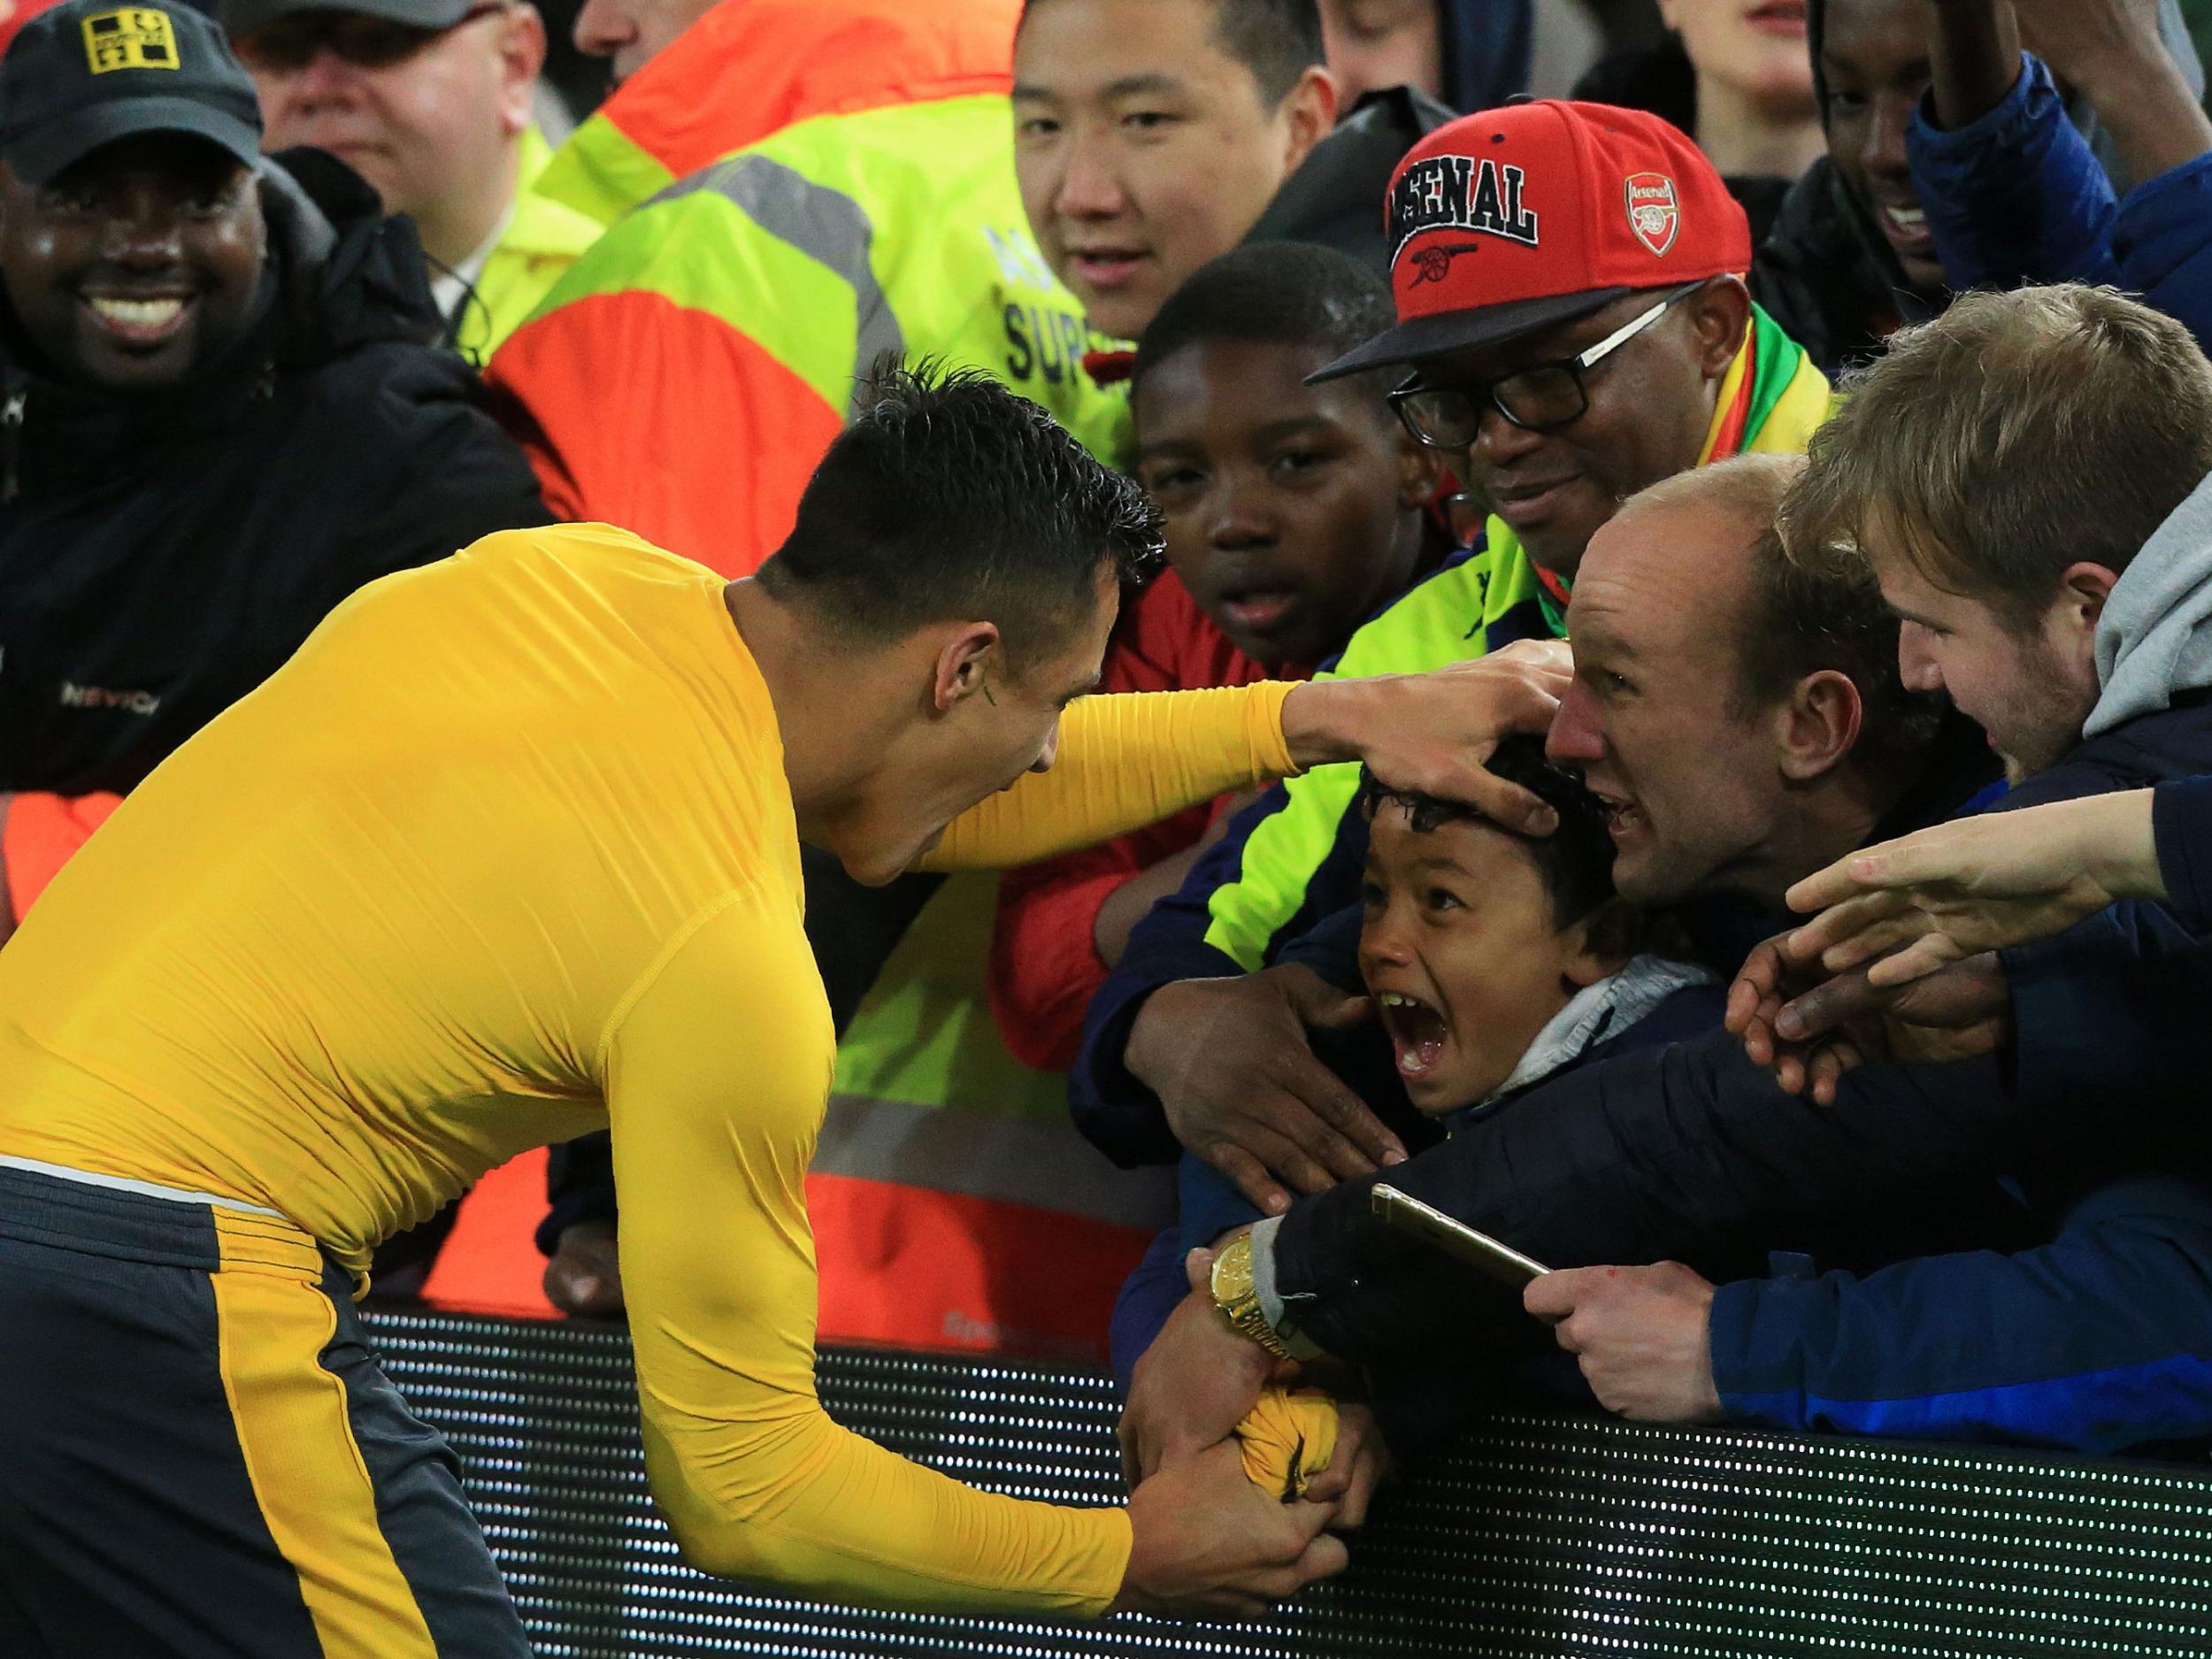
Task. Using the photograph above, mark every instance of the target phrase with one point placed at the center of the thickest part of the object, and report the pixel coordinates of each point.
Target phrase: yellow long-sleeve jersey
(505, 855)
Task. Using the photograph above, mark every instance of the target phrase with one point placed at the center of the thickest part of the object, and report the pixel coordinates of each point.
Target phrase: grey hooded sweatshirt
(2155, 638)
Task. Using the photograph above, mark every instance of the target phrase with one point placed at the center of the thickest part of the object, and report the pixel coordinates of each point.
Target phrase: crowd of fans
(1416, 369)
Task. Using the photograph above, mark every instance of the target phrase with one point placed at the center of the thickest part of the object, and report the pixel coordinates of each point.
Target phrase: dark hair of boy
(1575, 861)
(1277, 40)
(1277, 294)
(2014, 435)
(947, 497)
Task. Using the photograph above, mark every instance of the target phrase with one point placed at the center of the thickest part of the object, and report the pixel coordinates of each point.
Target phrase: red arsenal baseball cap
(1516, 219)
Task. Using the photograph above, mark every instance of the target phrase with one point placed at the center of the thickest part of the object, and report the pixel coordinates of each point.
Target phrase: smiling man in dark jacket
(1849, 258)
(222, 410)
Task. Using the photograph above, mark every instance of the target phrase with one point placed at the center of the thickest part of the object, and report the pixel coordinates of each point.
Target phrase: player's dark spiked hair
(948, 498)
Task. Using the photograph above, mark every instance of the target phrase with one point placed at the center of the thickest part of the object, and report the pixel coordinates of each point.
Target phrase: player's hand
(1976, 884)
(1640, 1334)
(1191, 1388)
(1238, 1078)
(585, 1276)
(1430, 733)
(1206, 1542)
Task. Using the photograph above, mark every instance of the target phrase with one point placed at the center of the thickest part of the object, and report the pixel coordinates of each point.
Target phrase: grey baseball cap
(249, 17)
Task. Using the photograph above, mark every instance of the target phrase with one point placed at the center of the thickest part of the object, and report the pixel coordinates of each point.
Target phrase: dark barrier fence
(1542, 1535)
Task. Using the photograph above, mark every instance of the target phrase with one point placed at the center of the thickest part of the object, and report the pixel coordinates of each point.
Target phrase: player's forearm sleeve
(1127, 761)
(715, 1076)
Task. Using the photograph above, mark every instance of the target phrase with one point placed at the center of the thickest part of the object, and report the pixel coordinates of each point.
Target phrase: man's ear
(2070, 625)
(522, 56)
(1420, 471)
(1308, 112)
(1720, 311)
(965, 661)
(1818, 726)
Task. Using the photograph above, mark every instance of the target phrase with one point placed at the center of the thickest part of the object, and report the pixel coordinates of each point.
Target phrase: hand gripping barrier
(1541, 1535)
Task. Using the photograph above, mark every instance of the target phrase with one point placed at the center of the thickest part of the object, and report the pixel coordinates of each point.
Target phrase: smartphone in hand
(1485, 1255)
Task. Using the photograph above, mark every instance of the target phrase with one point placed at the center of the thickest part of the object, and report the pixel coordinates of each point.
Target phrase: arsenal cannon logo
(1652, 211)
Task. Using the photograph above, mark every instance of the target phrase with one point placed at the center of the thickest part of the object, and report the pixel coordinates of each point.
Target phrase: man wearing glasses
(1572, 308)
(430, 101)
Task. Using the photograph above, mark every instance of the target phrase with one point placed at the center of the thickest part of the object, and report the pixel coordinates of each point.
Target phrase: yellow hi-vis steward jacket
(791, 191)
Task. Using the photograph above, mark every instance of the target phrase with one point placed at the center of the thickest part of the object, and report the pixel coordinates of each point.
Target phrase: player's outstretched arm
(1130, 760)
(716, 1078)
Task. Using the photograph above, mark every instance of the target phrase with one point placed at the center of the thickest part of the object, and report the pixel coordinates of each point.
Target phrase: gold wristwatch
(1238, 1301)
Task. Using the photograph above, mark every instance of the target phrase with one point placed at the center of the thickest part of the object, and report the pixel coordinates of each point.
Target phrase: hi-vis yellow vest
(542, 239)
(791, 191)
(793, 188)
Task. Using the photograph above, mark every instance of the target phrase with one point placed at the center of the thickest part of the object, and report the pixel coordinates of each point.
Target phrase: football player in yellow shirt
(510, 851)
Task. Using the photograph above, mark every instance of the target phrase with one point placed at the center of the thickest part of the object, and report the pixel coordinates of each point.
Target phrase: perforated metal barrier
(1542, 1535)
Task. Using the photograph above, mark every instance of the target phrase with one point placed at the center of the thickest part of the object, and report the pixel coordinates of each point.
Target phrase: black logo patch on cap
(1460, 193)
(138, 37)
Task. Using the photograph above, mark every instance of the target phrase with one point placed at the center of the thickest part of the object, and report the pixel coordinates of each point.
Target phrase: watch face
(1231, 1280)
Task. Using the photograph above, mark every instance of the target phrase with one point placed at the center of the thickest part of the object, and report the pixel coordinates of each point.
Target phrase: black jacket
(161, 554)
(1335, 198)
(1827, 276)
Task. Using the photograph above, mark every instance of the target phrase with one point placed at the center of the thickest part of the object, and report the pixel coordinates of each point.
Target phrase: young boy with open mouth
(1493, 960)
(1496, 958)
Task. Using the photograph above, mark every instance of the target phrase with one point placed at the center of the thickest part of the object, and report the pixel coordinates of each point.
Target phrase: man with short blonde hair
(1999, 472)
(2014, 435)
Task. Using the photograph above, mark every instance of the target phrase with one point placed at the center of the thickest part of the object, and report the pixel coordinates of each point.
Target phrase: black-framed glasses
(1542, 397)
(289, 45)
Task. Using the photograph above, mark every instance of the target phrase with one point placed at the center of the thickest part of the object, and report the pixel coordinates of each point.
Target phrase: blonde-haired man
(2001, 475)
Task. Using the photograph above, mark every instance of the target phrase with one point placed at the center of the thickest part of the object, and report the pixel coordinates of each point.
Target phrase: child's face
(1293, 510)
(1461, 955)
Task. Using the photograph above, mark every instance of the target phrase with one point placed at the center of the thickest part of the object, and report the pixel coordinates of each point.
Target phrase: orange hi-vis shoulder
(749, 68)
(792, 190)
